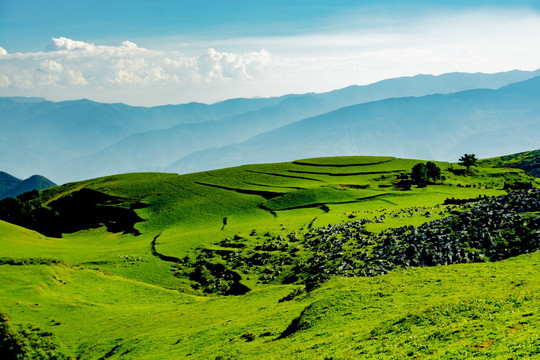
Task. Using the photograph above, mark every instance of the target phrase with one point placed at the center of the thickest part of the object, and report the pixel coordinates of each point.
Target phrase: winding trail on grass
(161, 256)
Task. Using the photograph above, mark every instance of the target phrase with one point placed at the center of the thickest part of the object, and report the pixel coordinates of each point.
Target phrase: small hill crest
(10, 186)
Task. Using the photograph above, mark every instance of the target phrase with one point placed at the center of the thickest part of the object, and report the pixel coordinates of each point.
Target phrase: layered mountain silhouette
(442, 127)
(11, 186)
(74, 140)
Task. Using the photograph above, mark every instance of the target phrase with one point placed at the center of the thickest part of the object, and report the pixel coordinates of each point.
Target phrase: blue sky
(210, 50)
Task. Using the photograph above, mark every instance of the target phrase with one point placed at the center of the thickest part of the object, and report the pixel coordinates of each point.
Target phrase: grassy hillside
(221, 264)
(528, 161)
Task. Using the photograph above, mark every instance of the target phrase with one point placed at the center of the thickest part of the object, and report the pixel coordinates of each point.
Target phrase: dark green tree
(433, 171)
(419, 173)
(468, 160)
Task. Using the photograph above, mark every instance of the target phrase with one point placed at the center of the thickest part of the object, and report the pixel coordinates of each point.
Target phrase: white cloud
(77, 63)
(226, 66)
(62, 43)
(5, 81)
(129, 45)
(50, 66)
(75, 78)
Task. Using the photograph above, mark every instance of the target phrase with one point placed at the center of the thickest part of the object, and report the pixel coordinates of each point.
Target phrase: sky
(169, 52)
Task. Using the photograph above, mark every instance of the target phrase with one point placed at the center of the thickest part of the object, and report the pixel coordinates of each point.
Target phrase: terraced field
(318, 258)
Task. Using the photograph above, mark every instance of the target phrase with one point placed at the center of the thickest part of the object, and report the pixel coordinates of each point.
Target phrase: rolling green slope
(220, 264)
(528, 161)
(483, 310)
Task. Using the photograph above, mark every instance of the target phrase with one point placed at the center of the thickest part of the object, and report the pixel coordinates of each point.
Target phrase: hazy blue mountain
(73, 140)
(421, 85)
(485, 122)
(156, 149)
(35, 136)
(34, 182)
(152, 150)
(7, 182)
(26, 99)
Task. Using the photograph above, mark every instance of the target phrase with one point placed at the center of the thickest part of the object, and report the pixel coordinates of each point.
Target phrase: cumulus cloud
(72, 62)
(74, 77)
(223, 66)
(62, 43)
(129, 45)
(5, 81)
(50, 66)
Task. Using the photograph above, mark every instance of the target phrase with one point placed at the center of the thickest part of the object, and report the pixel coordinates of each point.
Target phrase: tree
(433, 171)
(419, 173)
(468, 160)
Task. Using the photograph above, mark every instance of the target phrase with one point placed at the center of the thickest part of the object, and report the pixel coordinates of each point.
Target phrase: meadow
(153, 265)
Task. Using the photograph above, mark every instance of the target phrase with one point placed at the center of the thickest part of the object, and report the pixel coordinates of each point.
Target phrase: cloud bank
(70, 62)
(470, 42)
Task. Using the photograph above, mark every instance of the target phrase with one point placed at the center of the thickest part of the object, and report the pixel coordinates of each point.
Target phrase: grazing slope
(528, 161)
(277, 260)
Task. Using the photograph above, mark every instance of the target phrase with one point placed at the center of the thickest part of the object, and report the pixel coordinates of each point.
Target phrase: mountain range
(424, 116)
(437, 127)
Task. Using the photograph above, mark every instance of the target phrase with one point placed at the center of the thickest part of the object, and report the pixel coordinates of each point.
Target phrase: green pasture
(460, 311)
(101, 294)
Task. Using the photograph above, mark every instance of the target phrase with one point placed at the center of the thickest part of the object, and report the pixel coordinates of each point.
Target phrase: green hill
(528, 161)
(275, 261)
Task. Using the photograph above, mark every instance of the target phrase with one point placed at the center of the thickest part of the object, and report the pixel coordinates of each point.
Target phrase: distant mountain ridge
(440, 127)
(11, 186)
(74, 140)
(7, 182)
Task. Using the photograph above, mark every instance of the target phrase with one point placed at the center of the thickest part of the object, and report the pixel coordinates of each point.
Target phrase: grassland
(105, 294)
(528, 161)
